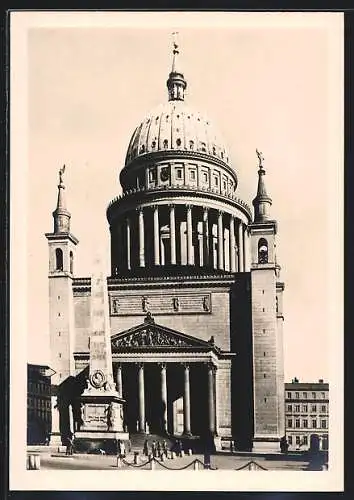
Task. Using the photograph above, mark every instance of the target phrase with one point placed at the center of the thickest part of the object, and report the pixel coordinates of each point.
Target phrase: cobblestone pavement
(51, 461)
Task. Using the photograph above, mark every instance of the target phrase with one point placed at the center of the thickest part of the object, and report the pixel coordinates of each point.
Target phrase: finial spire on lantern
(176, 83)
(262, 201)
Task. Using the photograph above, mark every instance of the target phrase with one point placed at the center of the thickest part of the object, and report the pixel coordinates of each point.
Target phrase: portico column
(156, 236)
(187, 402)
(205, 237)
(245, 249)
(220, 241)
(173, 234)
(240, 247)
(128, 245)
(189, 236)
(141, 388)
(141, 238)
(164, 395)
(119, 385)
(232, 245)
(211, 398)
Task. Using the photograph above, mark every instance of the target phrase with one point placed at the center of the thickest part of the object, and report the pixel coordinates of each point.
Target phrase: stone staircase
(137, 440)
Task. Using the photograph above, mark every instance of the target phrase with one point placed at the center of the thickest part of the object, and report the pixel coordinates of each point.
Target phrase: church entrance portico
(168, 380)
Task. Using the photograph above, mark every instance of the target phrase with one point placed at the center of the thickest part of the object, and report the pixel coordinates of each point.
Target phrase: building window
(290, 422)
(297, 439)
(205, 177)
(323, 424)
(289, 395)
(262, 251)
(290, 440)
(153, 144)
(313, 395)
(191, 144)
(297, 408)
(224, 185)
(216, 181)
(305, 423)
(60, 355)
(71, 263)
(152, 174)
(192, 174)
(323, 409)
(297, 395)
(165, 143)
(59, 259)
(290, 408)
(297, 423)
(314, 424)
(323, 395)
(179, 173)
(304, 395)
(304, 408)
(178, 142)
(313, 408)
(305, 440)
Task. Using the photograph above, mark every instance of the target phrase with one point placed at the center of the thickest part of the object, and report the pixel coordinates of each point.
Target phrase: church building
(195, 297)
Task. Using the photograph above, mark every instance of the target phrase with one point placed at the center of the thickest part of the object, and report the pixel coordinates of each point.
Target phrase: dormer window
(178, 142)
(142, 149)
(165, 144)
(191, 144)
(214, 150)
(153, 144)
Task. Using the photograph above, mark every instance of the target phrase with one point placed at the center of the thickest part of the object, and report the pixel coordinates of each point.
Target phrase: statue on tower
(260, 159)
(61, 172)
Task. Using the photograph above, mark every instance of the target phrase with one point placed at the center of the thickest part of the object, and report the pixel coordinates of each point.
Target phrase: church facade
(194, 291)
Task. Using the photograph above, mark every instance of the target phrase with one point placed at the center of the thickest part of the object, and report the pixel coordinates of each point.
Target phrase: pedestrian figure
(164, 447)
(153, 449)
(69, 446)
(122, 449)
(178, 448)
(158, 449)
(146, 448)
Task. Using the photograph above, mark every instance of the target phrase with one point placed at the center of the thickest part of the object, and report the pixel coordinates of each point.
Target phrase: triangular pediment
(150, 335)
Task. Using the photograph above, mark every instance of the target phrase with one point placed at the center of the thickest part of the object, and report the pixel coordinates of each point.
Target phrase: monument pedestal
(102, 422)
(266, 445)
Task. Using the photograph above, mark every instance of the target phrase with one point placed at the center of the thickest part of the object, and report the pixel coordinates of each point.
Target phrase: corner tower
(62, 245)
(268, 375)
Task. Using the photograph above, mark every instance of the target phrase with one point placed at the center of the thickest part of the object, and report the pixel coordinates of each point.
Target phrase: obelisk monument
(101, 405)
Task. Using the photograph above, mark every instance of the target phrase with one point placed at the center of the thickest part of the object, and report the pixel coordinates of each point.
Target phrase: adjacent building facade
(195, 292)
(306, 415)
(39, 414)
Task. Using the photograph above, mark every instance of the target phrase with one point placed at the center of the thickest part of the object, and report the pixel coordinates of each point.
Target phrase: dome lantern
(176, 84)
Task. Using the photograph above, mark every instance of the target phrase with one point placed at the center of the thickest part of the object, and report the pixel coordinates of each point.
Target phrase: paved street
(51, 461)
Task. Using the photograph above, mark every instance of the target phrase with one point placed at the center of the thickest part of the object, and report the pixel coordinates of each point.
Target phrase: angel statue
(61, 172)
(260, 158)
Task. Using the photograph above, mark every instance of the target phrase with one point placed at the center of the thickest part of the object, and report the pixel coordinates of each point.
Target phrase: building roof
(307, 386)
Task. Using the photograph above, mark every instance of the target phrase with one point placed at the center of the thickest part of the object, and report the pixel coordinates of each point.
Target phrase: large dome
(175, 126)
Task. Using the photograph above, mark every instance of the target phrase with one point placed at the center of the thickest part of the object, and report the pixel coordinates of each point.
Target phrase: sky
(275, 86)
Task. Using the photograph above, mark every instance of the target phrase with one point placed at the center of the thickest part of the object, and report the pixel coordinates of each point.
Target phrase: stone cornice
(61, 237)
(136, 196)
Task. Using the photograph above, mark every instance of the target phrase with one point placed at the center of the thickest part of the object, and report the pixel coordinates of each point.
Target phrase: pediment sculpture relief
(149, 337)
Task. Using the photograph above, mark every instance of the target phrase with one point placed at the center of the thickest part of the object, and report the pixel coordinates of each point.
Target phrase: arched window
(59, 259)
(71, 263)
(165, 143)
(262, 251)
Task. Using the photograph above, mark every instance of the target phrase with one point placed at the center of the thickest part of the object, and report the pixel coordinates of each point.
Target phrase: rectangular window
(297, 395)
(216, 181)
(179, 173)
(290, 422)
(323, 424)
(152, 175)
(313, 408)
(290, 440)
(323, 409)
(297, 423)
(304, 395)
(314, 424)
(290, 408)
(297, 439)
(224, 185)
(192, 174)
(313, 395)
(205, 177)
(297, 407)
(305, 423)
(323, 395)
(304, 408)
(289, 395)
(305, 440)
